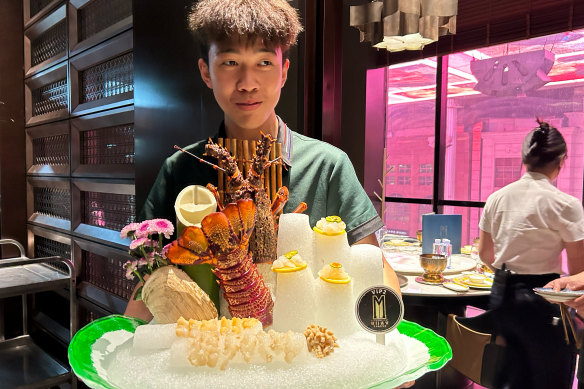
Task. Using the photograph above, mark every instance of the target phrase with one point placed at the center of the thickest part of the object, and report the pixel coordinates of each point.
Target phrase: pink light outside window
(485, 124)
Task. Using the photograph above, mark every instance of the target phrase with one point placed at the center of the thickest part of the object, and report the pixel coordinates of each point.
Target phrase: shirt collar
(284, 138)
(535, 176)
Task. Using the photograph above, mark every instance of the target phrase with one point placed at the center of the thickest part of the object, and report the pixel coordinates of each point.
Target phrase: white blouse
(529, 220)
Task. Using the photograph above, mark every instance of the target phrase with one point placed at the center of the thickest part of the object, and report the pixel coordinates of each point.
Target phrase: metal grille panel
(108, 210)
(106, 273)
(54, 202)
(44, 247)
(49, 98)
(109, 78)
(37, 6)
(51, 150)
(100, 14)
(108, 146)
(51, 43)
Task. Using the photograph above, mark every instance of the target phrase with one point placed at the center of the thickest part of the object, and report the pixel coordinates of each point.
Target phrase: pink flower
(142, 262)
(143, 229)
(150, 259)
(162, 226)
(128, 229)
(139, 242)
(165, 250)
(130, 268)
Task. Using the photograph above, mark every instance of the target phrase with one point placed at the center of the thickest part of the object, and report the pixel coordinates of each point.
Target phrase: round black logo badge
(379, 309)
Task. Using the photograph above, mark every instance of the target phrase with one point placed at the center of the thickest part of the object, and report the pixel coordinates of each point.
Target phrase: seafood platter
(286, 315)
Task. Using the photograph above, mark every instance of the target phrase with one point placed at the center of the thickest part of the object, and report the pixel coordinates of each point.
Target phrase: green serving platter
(81, 348)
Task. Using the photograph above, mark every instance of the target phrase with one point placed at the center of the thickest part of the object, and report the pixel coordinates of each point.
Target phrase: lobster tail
(223, 241)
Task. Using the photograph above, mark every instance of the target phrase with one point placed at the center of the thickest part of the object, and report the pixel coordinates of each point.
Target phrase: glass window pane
(409, 135)
(404, 219)
(494, 96)
(470, 222)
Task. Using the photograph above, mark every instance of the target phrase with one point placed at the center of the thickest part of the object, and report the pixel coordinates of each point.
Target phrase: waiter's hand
(575, 282)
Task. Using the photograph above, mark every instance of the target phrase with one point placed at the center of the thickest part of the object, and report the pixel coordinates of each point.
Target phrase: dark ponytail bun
(543, 146)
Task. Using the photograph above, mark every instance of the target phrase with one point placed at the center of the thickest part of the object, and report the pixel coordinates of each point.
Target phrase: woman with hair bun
(524, 228)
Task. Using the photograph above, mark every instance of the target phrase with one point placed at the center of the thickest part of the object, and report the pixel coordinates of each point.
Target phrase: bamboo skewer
(240, 156)
(278, 167)
(246, 156)
(243, 151)
(220, 177)
(273, 188)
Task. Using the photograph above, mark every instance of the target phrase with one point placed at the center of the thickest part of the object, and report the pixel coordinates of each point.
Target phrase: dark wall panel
(172, 105)
(12, 135)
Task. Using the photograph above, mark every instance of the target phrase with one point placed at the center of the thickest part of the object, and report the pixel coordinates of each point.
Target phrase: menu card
(438, 226)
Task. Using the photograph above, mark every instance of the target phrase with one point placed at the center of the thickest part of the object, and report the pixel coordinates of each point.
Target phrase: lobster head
(223, 236)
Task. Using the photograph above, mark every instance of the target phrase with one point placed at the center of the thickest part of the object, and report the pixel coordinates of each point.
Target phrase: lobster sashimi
(223, 242)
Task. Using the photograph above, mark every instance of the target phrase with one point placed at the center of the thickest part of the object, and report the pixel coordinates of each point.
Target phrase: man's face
(246, 80)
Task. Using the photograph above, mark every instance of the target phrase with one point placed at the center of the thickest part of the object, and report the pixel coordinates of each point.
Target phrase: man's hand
(137, 308)
(575, 282)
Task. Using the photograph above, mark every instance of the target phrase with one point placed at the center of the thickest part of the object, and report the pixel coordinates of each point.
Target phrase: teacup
(433, 265)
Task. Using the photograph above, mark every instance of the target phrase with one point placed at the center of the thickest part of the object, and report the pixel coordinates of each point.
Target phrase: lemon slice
(290, 269)
(298, 264)
(327, 224)
(316, 229)
(333, 281)
(334, 268)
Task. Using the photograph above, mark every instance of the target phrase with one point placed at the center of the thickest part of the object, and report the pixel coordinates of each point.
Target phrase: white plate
(455, 287)
(558, 297)
(465, 280)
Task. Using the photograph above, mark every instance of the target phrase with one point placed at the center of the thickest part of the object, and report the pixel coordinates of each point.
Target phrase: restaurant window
(507, 170)
(488, 111)
(403, 180)
(426, 168)
(424, 180)
(404, 168)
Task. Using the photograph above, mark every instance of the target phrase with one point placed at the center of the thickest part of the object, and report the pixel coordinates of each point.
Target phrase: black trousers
(537, 355)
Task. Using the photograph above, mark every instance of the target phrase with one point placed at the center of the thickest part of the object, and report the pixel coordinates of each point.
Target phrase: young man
(244, 61)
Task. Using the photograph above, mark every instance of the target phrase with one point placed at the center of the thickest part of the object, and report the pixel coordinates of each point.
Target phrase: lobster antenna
(279, 161)
(199, 158)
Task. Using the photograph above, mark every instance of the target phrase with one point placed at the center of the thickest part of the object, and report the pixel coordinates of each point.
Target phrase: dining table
(430, 304)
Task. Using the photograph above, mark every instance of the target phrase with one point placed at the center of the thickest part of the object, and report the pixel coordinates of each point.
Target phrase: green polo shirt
(317, 173)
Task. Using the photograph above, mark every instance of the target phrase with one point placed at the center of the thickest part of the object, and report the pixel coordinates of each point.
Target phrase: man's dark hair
(275, 22)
